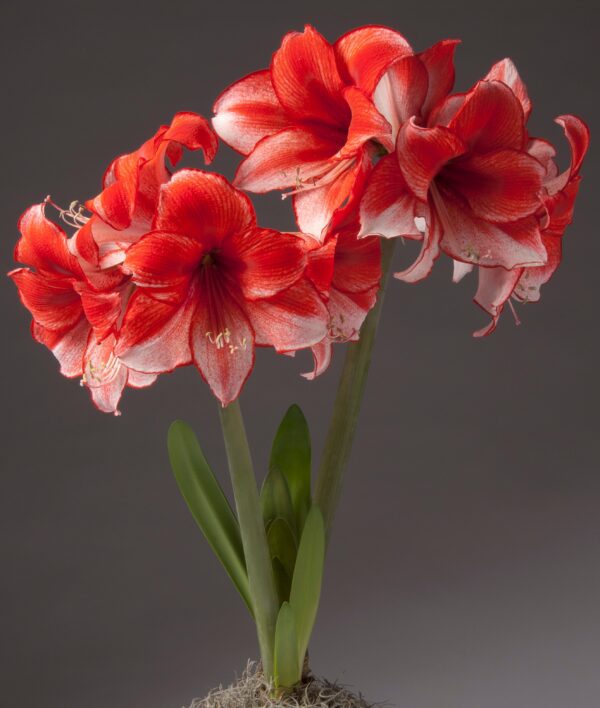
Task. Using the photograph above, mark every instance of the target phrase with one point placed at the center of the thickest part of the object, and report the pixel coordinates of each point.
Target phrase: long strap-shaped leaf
(208, 504)
(308, 576)
(288, 670)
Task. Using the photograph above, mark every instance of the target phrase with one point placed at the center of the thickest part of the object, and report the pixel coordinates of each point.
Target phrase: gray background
(464, 569)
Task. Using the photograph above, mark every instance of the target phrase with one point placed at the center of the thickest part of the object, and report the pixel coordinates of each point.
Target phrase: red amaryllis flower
(347, 272)
(496, 285)
(211, 285)
(124, 210)
(73, 319)
(305, 125)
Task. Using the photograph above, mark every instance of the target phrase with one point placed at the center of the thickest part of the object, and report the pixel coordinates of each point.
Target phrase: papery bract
(211, 285)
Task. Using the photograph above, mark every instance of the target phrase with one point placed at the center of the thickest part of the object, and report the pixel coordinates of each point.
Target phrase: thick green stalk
(348, 401)
(254, 538)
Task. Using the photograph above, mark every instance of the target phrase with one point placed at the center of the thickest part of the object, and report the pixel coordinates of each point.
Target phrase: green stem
(348, 401)
(254, 538)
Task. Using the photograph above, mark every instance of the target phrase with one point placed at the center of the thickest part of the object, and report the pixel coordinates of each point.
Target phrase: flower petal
(249, 111)
(269, 261)
(306, 78)
(506, 72)
(439, 62)
(357, 263)
(430, 251)
(104, 375)
(531, 280)
(68, 345)
(490, 118)
(203, 206)
(322, 358)
(499, 186)
(366, 52)
(294, 319)
(289, 158)
(388, 208)
(495, 287)
(222, 343)
(52, 301)
(422, 152)
(366, 124)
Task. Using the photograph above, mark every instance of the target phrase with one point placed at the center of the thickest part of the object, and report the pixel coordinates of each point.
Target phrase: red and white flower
(307, 124)
(211, 284)
(73, 319)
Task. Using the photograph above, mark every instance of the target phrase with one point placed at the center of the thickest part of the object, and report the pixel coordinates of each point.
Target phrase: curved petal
(388, 208)
(193, 132)
(267, 261)
(44, 246)
(528, 286)
(506, 72)
(322, 358)
(249, 111)
(204, 207)
(495, 287)
(430, 251)
(306, 79)
(104, 375)
(499, 186)
(290, 158)
(68, 346)
(357, 263)
(467, 238)
(439, 62)
(222, 343)
(490, 118)
(365, 53)
(52, 301)
(578, 135)
(102, 310)
(422, 152)
(155, 336)
(294, 319)
(366, 124)
(402, 90)
(347, 312)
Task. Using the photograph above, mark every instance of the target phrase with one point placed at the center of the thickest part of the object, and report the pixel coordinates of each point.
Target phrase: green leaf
(307, 578)
(283, 581)
(208, 504)
(276, 501)
(288, 670)
(282, 544)
(292, 456)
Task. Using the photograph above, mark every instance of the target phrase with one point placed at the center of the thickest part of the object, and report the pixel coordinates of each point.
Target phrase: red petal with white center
(155, 336)
(388, 207)
(467, 238)
(68, 346)
(44, 246)
(315, 206)
(357, 265)
(306, 79)
(249, 111)
(52, 301)
(506, 72)
(402, 90)
(499, 186)
(290, 158)
(422, 152)
(439, 62)
(164, 262)
(104, 375)
(222, 343)
(430, 251)
(268, 261)
(366, 124)
(204, 207)
(491, 118)
(365, 54)
(495, 287)
(322, 358)
(294, 319)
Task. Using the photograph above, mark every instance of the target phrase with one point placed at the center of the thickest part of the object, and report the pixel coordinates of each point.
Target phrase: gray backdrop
(464, 567)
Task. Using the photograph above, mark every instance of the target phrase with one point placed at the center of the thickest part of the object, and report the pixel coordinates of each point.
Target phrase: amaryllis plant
(167, 268)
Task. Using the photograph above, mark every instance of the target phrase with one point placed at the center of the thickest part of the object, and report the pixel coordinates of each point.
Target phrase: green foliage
(291, 455)
(288, 669)
(208, 504)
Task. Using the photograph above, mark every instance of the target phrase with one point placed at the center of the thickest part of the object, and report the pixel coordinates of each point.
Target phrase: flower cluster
(169, 268)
